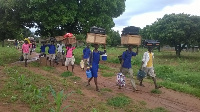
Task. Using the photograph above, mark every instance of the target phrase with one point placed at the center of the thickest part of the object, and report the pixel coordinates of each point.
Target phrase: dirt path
(169, 99)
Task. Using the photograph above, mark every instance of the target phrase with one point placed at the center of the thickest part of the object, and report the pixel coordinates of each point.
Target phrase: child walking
(69, 56)
(25, 51)
(94, 63)
(52, 52)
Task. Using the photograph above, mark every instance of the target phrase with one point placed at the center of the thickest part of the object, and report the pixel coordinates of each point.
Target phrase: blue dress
(94, 61)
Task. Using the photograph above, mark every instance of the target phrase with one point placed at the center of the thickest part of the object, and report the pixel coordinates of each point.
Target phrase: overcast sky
(140, 13)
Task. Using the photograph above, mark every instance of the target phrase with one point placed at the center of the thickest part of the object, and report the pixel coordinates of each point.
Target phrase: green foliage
(67, 74)
(21, 85)
(58, 99)
(174, 30)
(48, 68)
(114, 38)
(156, 91)
(75, 78)
(107, 74)
(8, 55)
(119, 101)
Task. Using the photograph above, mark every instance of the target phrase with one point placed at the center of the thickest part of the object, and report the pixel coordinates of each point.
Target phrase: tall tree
(177, 30)
(77, 16)
(114, 38)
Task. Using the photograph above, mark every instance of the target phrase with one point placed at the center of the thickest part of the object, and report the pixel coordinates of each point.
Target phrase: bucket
(88, 73)
(104, 57)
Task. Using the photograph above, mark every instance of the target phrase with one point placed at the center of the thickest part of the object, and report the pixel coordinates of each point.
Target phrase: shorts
(52, 57)
(25, 55)
(60, 55)
(149, 71)
(69, 61)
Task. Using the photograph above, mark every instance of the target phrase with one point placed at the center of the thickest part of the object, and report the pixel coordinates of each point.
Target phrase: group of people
(146, 66)
(91, 60)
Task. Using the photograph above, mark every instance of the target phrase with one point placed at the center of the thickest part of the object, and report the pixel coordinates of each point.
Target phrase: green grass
(8, 55)
(107, 74)
(22, 85)
(119, 101)
(156, 91)
(67, 74)
(48, 68)
(35, 64)
(106, 89)
(75, 78)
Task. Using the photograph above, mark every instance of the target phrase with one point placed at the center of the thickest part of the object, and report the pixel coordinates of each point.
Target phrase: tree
(177, 30)
(77, 16)
(10, 22)
(114, 38)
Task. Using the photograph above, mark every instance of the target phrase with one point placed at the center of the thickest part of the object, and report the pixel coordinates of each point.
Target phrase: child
(25, 51)
(52, 52)
(42, 50)
(94, 63)
(86, 55)
(60, 54)
(69, 56)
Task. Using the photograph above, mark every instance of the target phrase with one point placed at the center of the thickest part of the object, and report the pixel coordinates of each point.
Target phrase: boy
(60, 54)
(25, 51)
(69, 56)
(94, 63)
(42, 50)
(52, 51)
(86, 55)
(126, 64)
(147, 66)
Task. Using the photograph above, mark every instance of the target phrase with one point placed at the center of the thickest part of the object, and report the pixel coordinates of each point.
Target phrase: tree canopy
(176, 30)
(77, 16)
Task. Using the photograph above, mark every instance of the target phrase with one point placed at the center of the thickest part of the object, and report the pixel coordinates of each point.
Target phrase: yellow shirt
(150, 62)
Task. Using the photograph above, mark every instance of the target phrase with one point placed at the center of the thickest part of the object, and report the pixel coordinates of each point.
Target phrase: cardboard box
(96, 38)
(70, 40)
(131, 39)
(59, 38)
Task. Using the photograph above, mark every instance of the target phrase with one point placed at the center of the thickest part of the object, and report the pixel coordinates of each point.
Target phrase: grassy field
(8, 55)
(37, 91)
(180, 74)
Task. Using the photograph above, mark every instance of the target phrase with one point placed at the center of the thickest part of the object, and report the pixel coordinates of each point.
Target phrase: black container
(97, 30)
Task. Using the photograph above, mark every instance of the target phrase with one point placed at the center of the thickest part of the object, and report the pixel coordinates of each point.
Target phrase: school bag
(120, 79)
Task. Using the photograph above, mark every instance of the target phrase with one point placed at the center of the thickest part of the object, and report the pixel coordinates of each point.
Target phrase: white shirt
(60, 46)
(146, 58)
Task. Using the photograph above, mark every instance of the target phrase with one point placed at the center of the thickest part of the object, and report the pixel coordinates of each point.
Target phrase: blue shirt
(86, 53)
(43, 48)
(52, 49)
(126, 56)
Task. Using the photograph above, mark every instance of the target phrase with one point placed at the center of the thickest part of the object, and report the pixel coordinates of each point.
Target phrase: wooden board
(59, 38)
(90, 37)
(96, 38)
(70, 40)
(131, 39)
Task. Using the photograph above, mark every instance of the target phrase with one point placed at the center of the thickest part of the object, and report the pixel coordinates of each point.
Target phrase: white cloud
(141, 20)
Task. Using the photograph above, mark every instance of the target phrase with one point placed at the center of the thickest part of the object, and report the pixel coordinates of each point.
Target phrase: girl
(94, 63)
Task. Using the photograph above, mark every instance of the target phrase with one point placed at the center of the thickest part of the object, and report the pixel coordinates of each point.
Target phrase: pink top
(69, 52)
(25, 48)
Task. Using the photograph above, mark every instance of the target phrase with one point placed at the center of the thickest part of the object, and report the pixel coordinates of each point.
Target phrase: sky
(140, 13)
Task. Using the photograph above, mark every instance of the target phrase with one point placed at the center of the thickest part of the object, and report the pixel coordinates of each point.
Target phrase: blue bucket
(104, 57)
(88, 73)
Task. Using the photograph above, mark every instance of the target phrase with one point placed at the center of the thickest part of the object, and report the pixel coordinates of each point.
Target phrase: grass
(119, 101)
(106, 89)
(22, 86)
(156, 91)
(8, 55)
(67, 74)
(48, 68)
(75, 78)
